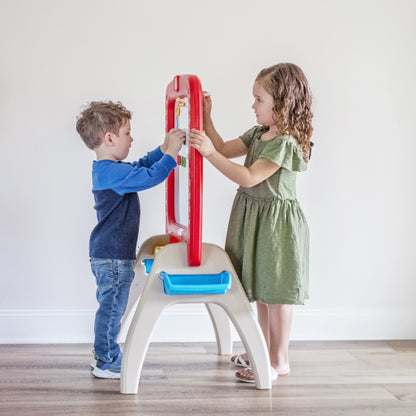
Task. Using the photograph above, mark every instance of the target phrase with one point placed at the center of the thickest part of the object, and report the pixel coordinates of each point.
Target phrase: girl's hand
(201, 142)
(207, 105)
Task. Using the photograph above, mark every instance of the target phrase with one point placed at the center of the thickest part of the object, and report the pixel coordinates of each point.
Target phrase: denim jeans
(114, 279)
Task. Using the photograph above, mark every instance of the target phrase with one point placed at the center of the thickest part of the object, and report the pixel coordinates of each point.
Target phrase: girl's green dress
(268, 236)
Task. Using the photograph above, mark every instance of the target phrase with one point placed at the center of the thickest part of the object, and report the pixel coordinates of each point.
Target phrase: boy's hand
(174, 141)
(165, 145)
(201, 142)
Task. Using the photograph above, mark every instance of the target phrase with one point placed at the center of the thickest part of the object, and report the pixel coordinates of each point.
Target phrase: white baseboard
(191, 323)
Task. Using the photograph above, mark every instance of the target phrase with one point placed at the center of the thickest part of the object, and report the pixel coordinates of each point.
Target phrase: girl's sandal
(239, 361)
(247, 375)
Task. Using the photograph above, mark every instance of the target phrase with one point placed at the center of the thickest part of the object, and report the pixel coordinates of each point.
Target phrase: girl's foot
(241, 360)
(283, 371)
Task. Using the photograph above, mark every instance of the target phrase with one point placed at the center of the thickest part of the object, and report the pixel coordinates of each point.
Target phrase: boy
(105, 128)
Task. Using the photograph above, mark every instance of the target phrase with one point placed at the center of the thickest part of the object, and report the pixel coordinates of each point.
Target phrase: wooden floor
(328, 379)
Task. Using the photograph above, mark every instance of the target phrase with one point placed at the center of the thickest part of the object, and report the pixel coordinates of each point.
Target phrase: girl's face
(263, 105)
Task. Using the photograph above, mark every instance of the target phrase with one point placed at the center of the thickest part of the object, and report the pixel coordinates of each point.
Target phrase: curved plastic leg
(254, 343)
(137, 343)
(238, 308)
(222, 328)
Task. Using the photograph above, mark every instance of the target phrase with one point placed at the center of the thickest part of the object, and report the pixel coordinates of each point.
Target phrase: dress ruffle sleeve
(252, 134)
(284, 151)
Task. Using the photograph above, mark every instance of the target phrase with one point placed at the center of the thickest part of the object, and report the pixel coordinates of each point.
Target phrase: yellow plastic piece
(157, 249)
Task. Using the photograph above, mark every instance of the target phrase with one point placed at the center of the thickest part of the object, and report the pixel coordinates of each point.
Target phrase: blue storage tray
(196, 284)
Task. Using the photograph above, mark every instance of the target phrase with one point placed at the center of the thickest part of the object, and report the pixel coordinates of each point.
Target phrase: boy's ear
(108, 139)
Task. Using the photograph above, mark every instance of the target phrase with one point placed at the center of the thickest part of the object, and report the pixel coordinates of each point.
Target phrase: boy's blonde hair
(99, 118)
(288, 86)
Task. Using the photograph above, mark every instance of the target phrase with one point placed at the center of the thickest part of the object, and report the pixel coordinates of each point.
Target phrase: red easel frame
(186, 86)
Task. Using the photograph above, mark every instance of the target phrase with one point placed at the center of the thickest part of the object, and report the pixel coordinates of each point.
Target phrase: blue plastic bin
(196, 284)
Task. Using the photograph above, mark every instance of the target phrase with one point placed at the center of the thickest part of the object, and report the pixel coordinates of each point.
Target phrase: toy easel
(192, 271)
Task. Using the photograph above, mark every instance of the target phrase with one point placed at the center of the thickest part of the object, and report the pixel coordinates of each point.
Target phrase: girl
(268, 237)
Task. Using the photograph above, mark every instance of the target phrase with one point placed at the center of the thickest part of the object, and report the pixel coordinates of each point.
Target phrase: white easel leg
(222, 328)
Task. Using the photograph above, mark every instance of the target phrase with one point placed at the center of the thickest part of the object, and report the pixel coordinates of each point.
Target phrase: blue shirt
(115, 186)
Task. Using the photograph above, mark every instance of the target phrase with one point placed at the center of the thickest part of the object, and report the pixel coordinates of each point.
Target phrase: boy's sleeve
(125, 178)
(151, 157)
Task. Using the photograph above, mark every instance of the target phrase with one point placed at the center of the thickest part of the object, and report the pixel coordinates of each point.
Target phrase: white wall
(358, 193)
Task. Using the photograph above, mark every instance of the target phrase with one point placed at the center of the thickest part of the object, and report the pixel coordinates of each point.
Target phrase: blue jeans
(114, 279)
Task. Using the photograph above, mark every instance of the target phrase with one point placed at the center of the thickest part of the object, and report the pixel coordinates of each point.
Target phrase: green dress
(268, 236)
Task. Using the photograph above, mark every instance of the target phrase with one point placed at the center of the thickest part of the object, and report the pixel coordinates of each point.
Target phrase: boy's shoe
(93, 363)
(108, 370)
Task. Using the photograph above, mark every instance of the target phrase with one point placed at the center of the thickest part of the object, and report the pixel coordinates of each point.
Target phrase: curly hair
(288, 86)
(99, 118)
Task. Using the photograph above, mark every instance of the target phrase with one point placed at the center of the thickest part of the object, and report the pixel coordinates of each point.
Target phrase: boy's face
(122, 141)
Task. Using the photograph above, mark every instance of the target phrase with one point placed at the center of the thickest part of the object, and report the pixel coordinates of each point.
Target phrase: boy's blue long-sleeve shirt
(115, 186)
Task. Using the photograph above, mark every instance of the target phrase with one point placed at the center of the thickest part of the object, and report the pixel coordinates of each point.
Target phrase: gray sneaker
(108, 370)
(93, 363)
